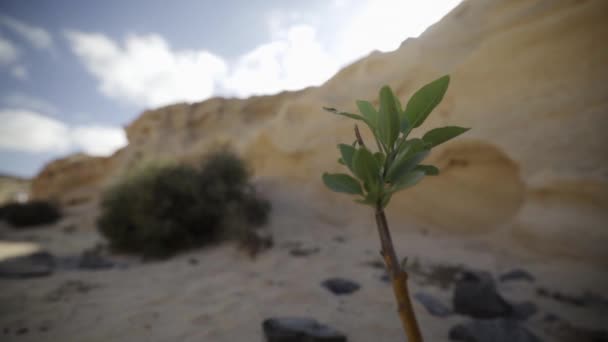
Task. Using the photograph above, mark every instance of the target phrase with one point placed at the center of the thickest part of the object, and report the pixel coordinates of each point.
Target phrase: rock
(38, 264)
(297, 329)
(561, 297)
(494, 330)
(73, 180)
(93, 260)
(565, 332)
(551, 317)
(304, 251)
(433, 305)
(89, 259)
(517, 274)
(523, 311)
(340, 286)
(475, 295)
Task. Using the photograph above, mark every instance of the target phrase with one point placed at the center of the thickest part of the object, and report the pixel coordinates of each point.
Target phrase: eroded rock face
(13, 189)
(528, 76)
(73, 180)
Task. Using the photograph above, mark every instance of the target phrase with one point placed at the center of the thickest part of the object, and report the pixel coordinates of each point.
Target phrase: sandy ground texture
(220, 294)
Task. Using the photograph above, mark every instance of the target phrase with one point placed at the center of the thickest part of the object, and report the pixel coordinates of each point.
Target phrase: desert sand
(225, 295)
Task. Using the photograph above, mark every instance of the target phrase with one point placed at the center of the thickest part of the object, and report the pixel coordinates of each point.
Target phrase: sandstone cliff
(13, 189)
(528, 76)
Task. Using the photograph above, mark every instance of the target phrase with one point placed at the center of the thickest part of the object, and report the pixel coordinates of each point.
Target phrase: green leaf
(388, 119)
(429, 170)
(407, 180)
(440, 135)
(340, 182)
(386, 199)
(404, 165)
(348, 115)
(366, 168)
(379, 157)
(368, 200)
(405, 124)
(411, 146)
(347, 152)
(422, 103)
(372, 126)
(341, 161)
(369, 112)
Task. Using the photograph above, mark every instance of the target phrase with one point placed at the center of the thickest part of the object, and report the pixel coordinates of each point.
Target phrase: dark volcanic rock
(340, 286)
(475, 295)
(565, 332)
(296, 329)
(494, 330)
(433, 305)
(587, 299)
(523, 311)
(517, 274)
(38, 264)
(93, 260)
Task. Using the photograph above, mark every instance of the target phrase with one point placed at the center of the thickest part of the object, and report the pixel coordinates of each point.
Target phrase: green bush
(28, 214)
(160, 211)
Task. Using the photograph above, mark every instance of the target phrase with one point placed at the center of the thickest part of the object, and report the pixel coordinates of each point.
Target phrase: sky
(74, 73)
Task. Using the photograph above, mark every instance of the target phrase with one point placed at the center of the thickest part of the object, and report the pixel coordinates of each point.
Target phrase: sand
(225, 295)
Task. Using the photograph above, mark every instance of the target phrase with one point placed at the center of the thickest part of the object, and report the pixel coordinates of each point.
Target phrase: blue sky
(73, 73)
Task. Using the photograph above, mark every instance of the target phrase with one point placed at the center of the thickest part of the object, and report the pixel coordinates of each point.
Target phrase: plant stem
(398, 278)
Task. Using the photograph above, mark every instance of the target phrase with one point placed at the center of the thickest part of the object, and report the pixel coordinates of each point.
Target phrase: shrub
(28, 214)
(160, 211)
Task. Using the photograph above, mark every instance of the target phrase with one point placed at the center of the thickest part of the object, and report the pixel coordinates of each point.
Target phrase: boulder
(298, 329)
(433, 305)
(340, 286)
(516, 275)
(38, 264)
(494, 330)
(475, 295)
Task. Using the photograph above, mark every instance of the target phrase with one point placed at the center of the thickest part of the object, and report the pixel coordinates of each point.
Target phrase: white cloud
(98, 140)
(145, 71)
(8, 52)
(340, 3)
(24, 101)
(35, 36)
(383, 24)
(20, 72)
(29, 131)
(293, 62)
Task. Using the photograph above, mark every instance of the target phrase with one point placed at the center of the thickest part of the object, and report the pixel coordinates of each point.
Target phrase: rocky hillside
(529, 77)
(13, 188)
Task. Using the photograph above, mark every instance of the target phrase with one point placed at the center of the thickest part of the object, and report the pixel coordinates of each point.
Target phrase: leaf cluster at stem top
(376, 176)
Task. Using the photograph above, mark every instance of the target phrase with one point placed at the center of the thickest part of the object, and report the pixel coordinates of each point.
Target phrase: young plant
(392, 167)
